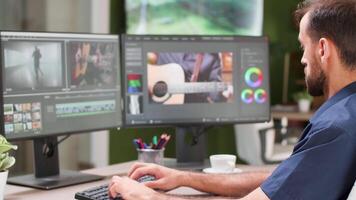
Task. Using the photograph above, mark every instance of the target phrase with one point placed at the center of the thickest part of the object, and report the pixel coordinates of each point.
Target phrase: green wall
(278, 26)
(219, 140)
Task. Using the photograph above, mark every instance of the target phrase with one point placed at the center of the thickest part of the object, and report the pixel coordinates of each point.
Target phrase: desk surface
(17, 192)
(292, 115)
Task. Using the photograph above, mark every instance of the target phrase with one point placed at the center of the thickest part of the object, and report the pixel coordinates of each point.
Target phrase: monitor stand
(190, 149)
(46, 164)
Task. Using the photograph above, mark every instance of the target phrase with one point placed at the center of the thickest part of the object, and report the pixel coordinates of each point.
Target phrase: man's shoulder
(338, 121)
(341, 116)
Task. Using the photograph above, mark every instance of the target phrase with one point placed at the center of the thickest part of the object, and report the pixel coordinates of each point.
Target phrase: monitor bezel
(177, 123)
(37, 136)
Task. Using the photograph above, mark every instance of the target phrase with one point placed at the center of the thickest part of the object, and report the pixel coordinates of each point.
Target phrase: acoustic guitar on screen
(166, 84)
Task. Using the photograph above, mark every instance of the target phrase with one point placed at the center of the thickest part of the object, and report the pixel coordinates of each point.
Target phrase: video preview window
(181, 77)
(92, 64)
(37, 64)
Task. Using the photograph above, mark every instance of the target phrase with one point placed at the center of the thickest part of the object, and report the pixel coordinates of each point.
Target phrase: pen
(140, 143)
(167, 139)
(136, 144)
(161, 143)
(154, 140)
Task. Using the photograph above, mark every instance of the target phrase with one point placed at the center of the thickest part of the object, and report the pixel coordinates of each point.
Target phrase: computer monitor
(195, 81)
(57, 84)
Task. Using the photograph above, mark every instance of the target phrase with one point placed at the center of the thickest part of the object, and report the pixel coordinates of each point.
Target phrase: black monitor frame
(190, 154)
(47, 174)
(177, 123)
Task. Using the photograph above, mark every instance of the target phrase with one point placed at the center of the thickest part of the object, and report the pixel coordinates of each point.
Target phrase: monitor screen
(208, 17)
(57, 83)
(195, 79)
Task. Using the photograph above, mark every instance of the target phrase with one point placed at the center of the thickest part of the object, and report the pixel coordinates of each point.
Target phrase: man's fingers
(113, 185)
(134, 167)
(141, 171)
(113, 180)
(154, 184)
(112, 190)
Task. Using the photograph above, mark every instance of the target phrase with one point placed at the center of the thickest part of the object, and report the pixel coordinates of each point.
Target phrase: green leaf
(2, 139)
(7, 163)
(6, 147)
(2, 161)
(3, 155)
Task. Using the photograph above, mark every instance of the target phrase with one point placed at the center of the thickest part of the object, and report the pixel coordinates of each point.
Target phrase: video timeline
(85, 108)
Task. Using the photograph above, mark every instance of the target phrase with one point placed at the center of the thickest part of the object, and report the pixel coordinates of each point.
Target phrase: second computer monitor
(195, 79)
(59, 83)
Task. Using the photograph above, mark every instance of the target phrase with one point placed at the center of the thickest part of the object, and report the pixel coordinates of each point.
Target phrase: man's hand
(167, 179)
(130, 189)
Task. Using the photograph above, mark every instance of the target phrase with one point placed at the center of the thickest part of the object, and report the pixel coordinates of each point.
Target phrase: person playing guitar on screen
(203, 69)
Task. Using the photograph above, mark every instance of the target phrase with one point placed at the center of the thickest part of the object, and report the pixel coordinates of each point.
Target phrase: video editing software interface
(195, 79)
(59, 82)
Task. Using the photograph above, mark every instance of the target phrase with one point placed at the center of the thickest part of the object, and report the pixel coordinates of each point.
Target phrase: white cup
(223, 163)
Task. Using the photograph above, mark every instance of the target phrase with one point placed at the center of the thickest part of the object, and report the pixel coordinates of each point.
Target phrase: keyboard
(101, 192)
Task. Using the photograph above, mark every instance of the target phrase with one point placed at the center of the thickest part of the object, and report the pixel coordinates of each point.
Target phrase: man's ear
(324, 49)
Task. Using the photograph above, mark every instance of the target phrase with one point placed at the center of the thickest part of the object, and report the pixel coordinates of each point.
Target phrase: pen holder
(151, 155)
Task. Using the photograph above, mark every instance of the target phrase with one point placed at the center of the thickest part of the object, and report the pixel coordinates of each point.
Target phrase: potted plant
(6, 162)
(304, 99)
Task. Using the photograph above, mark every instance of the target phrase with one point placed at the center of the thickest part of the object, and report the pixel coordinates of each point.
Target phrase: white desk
(17, 192)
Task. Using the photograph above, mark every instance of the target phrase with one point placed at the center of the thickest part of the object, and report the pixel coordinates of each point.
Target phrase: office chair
(256, 144)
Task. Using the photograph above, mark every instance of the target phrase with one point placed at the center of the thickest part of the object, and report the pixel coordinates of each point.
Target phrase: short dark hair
(335, 20)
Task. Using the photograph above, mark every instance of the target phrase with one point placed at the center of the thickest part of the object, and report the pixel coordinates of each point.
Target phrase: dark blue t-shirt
(323, 163)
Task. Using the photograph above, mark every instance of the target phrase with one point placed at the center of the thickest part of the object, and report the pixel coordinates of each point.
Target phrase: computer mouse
(146, 178)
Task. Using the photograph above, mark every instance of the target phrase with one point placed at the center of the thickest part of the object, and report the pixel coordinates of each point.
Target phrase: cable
(197, 132)
(48, 147)
(61, 140)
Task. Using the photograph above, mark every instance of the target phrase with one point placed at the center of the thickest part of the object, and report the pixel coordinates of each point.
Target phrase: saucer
(213, 171)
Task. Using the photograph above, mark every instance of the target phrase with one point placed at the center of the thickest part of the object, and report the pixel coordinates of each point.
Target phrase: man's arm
(257, 194)
(132, 190)
(237, 185)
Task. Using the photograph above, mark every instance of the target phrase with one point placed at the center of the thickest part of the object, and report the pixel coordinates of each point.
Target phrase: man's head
(326, 26)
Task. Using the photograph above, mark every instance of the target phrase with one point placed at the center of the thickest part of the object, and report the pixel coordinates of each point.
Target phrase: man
(36, 60)
(323, 163)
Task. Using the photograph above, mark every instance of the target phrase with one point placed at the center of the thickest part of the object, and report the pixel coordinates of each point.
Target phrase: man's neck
(338, 80)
